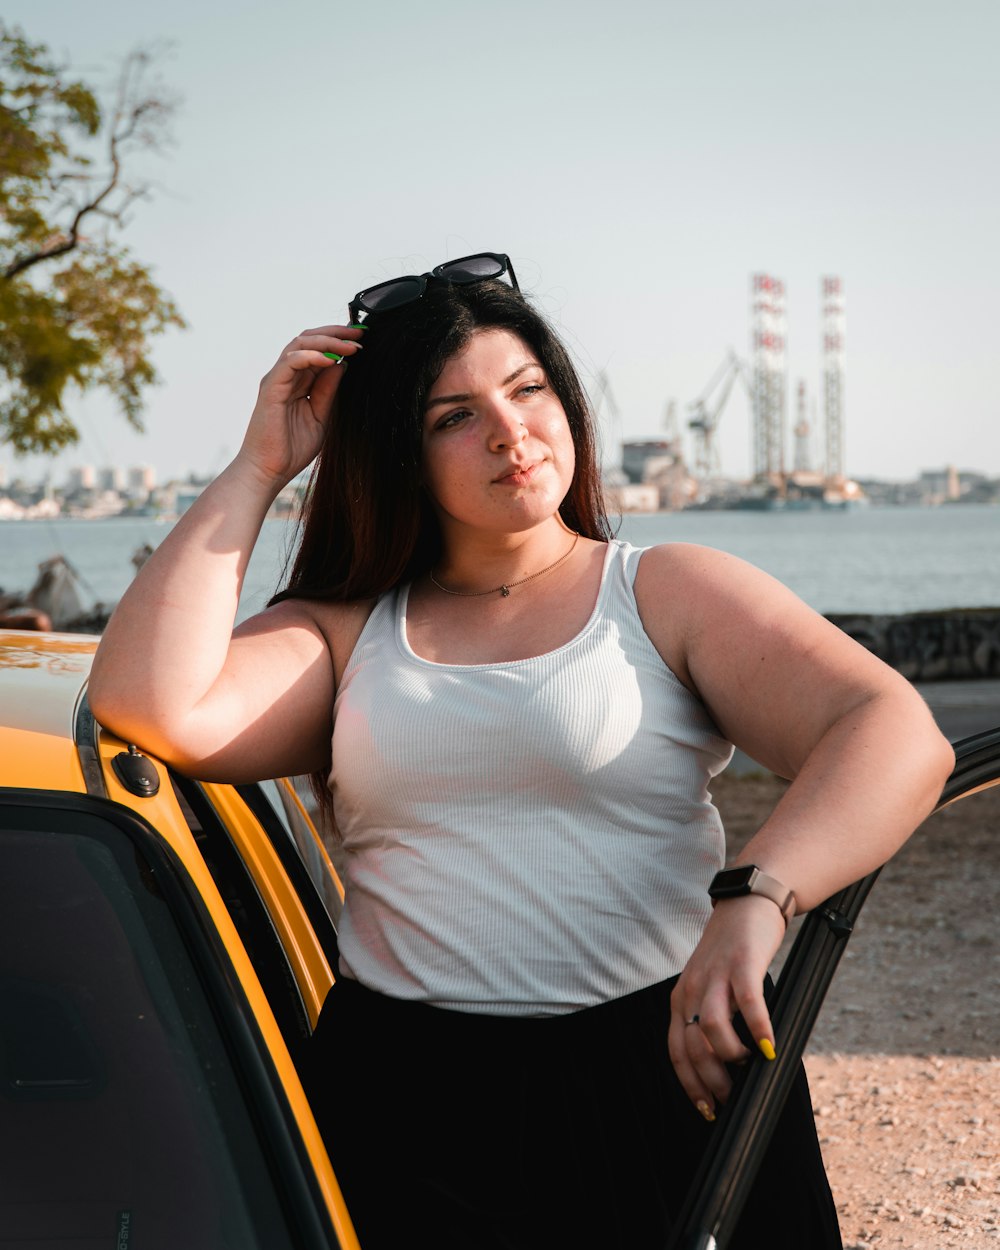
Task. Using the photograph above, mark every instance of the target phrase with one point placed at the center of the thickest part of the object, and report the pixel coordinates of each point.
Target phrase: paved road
(962, 708)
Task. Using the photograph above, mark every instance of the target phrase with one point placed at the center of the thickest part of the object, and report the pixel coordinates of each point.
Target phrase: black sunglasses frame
(358, 305)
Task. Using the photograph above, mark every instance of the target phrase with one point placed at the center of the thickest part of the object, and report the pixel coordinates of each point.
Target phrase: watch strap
(756, 882)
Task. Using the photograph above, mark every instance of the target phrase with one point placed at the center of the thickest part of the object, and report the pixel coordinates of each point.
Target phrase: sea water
(875, 560)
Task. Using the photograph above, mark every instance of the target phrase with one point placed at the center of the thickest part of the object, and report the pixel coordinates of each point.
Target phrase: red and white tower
(833, 344)
(767, 353)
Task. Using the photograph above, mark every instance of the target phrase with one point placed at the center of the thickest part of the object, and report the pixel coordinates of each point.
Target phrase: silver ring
(693, 1020)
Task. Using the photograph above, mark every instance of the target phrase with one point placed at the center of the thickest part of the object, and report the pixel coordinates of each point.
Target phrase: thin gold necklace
(506, 587)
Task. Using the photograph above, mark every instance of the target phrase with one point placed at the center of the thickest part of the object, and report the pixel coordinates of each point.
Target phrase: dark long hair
(367, 523)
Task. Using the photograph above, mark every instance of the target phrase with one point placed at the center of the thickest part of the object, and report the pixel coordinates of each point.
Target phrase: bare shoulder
(683, 590)
(691, 565)
(773, 673)
(701, 607)
(691, 583)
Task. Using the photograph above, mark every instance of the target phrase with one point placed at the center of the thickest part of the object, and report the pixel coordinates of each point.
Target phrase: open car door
(748, 1120)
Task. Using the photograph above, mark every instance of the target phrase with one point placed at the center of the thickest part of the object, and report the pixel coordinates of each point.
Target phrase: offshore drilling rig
(764, 377)
(773, 484)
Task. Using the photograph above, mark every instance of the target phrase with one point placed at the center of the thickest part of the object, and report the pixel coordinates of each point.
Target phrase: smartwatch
(748, 879)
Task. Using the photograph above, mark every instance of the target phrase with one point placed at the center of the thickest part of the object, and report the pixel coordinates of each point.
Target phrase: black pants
(471, 1132)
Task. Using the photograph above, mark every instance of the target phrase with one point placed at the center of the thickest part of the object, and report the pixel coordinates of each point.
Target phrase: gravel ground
(904, 1062)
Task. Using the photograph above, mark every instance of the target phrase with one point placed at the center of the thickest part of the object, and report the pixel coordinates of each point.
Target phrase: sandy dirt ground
(904, 1062)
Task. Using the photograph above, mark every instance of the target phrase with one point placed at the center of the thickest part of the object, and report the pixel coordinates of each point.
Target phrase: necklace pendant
(505, 591)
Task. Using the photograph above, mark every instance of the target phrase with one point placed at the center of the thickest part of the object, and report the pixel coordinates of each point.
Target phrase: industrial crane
(605, 399)
(706, 413)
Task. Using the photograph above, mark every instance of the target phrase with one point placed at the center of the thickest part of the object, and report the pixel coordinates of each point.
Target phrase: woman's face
(497, 450)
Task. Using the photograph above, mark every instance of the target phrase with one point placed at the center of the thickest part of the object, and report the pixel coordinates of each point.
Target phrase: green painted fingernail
(357, 325)
(334, 357)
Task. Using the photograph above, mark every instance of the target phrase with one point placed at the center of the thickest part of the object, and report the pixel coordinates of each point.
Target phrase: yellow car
(165, 947)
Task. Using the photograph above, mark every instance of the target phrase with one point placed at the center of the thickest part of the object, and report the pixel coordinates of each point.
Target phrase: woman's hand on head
(724, 975)
(295, 401)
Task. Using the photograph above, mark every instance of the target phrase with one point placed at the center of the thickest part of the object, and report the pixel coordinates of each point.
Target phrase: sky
(637, 160)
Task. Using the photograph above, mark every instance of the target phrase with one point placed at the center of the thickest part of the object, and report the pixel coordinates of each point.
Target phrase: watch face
(733, 879)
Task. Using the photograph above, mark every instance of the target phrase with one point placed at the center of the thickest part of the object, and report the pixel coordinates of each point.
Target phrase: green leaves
(76, 309)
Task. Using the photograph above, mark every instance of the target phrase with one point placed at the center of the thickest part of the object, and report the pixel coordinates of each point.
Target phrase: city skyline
(646, 163)
(60, 474)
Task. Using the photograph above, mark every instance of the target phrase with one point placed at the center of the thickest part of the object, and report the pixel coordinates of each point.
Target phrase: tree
(76, 308)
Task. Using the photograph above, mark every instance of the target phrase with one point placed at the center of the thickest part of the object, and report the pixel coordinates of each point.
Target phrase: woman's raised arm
(170, 674)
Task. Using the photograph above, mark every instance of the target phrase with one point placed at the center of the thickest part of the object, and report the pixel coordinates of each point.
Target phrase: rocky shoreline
(959, 644)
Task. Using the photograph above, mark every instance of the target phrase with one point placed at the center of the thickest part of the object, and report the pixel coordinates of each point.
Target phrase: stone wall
(931, 646)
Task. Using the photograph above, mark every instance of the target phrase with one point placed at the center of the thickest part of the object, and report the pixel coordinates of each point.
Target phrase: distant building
(83, 477)
(947, 485)
(111, 477)
(632, 497)
(184, 497)
(653, 466)
(636, 457)
(141, 479)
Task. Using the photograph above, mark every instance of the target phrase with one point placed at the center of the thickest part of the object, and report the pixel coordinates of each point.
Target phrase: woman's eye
(532, 388)
(453, 418)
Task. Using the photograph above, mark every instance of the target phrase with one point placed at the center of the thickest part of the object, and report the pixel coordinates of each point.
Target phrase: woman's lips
(518, 475)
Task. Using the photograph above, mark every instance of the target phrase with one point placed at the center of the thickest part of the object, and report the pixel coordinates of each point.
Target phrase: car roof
(41, 676)
(41, 680)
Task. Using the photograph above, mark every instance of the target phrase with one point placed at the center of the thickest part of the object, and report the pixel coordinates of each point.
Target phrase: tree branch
(137, 117)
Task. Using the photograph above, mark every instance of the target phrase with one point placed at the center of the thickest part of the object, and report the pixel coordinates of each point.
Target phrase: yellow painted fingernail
(706, 1111)
(766, 1049)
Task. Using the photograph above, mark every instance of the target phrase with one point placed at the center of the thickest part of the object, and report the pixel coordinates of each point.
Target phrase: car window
(122, 1118)
(289, 813)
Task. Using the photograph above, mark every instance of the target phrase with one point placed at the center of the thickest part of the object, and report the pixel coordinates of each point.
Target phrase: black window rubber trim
(280, 1140)
(746, 1124)
(250, 915)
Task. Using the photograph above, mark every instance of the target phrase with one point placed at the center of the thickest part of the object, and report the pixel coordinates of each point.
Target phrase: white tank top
(524, 838)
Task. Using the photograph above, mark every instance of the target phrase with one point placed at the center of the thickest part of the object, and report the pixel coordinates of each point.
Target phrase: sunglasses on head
(399, 291)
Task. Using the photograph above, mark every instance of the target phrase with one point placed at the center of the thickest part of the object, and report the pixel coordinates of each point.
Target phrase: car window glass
(121, 1119)
(304, 841)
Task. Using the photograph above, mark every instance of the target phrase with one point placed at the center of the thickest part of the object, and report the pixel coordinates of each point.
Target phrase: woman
(534, 1019)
